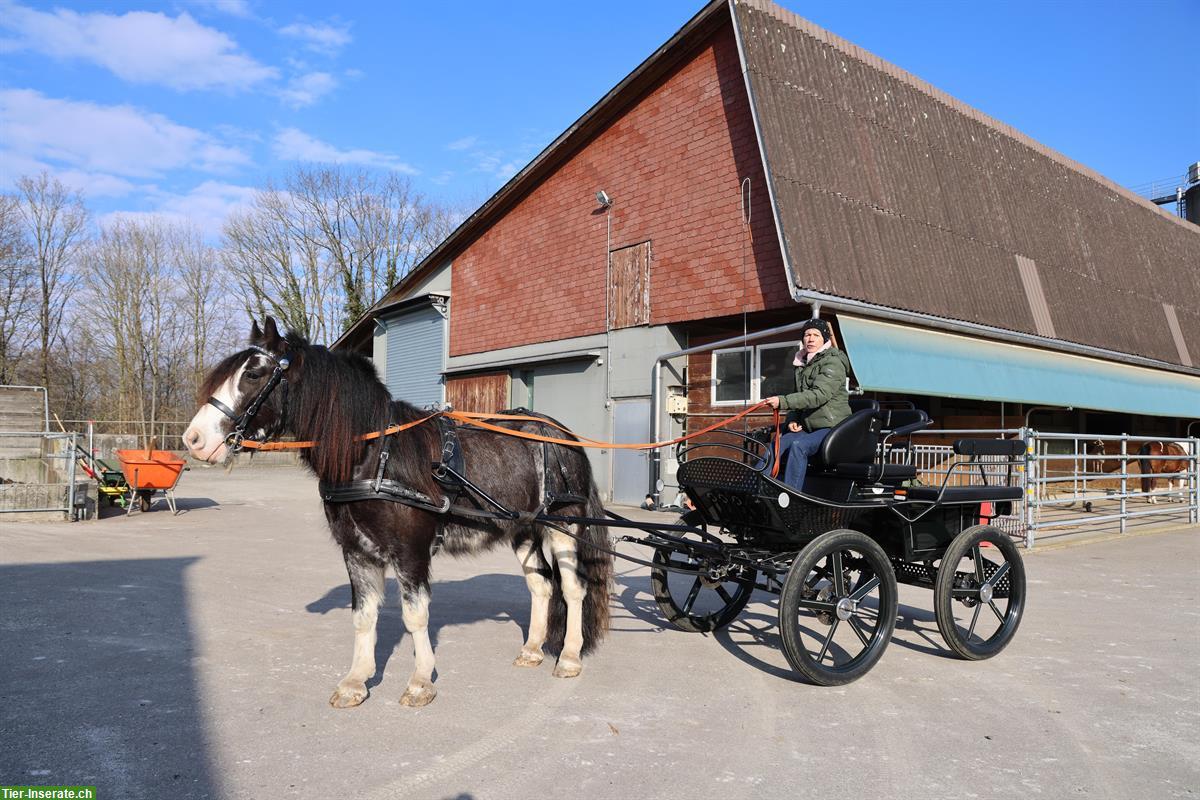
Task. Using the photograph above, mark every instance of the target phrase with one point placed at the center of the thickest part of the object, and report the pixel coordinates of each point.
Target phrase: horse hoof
(567, 668)
(349, 695)
(419, 695)
(528, 658)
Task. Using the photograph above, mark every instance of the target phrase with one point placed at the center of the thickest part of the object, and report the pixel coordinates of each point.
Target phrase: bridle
(240, 423)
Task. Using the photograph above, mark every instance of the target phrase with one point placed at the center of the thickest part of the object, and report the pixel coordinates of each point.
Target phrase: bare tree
(205, 306)
(319, 251)
(279, 269)
(135, 278)
(16, 289)
(55, 222)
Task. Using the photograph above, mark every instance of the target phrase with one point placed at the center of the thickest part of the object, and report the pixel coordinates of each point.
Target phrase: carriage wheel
(704, 602)
(980, 592)
(145, 499)
(838, 608)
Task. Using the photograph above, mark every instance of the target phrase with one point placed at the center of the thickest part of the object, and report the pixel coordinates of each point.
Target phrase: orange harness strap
(388, 431)
(479, 421)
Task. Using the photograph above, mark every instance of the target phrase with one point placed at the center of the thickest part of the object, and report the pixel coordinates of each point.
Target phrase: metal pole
(1124, 478)
(1194, 479)
(1030, 483)
(71, 513)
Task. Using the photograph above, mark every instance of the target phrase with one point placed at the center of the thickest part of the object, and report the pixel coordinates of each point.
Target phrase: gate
(1072, 482)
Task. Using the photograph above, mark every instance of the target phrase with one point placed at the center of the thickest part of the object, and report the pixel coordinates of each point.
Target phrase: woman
(819, 402)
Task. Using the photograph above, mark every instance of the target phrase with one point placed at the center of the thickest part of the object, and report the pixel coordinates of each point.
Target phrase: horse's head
(1096, 447)
(244, 397)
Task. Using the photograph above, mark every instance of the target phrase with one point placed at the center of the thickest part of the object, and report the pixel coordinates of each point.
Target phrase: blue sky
(183, 108)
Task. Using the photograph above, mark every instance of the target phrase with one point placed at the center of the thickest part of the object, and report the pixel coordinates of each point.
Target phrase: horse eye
(253, 375)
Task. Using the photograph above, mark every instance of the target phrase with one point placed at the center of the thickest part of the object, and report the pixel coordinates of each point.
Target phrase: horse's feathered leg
(562, 546)
(414, 606)
(366, 591)
(537, 578)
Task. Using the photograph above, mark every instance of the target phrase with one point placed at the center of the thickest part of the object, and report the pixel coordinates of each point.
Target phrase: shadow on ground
(482, 598)
(98, 686)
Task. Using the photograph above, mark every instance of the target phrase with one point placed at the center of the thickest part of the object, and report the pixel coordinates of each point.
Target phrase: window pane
(778, 373)
(731, 371)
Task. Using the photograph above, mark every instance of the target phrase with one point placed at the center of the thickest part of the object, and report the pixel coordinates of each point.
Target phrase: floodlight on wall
(603, 199)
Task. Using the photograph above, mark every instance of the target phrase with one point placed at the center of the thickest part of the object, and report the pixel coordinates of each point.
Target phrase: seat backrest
(853, 440)
(906, 420)
(861, 403)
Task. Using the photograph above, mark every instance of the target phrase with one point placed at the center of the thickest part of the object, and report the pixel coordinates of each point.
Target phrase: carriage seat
(966, 494)
(852, 442)
(850, 449)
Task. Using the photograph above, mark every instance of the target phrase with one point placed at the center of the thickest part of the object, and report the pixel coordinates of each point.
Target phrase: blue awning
(888, 357)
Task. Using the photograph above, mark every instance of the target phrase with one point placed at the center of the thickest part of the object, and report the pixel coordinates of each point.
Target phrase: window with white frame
(748, 374)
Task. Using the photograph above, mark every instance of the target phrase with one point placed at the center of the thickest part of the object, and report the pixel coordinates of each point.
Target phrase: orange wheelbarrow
(150, 471)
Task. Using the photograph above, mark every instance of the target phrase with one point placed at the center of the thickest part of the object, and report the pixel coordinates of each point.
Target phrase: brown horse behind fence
(1162, 464)
(1154, 458)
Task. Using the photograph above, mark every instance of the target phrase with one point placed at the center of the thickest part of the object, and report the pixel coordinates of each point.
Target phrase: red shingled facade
(673, 163)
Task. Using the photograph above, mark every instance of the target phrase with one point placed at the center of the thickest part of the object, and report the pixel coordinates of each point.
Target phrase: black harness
(450, 474)
(241, 423)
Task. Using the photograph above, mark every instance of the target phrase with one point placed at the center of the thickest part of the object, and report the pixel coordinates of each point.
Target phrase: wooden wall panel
(483, 393)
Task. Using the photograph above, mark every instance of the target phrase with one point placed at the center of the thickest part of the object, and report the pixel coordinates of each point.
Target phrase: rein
(478, 420)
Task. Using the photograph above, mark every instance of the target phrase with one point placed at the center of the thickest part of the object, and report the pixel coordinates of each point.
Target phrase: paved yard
(192, 656)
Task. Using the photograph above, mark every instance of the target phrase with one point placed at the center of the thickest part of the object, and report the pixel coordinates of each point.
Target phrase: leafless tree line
(318, 249)
(121, 320)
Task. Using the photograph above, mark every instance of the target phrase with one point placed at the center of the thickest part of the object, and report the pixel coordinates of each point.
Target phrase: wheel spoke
(839, 579)
(962, 592)
(724, 594)
(861, 636)
(818, 605)
(692, 595)
(999, 616)
(828, 639)
(865, 589)
(978, 558)
(1000, 572)
(974, 619)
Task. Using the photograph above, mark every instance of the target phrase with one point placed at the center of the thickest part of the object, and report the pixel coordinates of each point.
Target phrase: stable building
(645, 274)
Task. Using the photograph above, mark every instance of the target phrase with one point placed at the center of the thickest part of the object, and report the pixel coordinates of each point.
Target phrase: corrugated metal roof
(891, 192)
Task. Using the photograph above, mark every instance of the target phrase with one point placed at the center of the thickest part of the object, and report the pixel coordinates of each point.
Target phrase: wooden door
(483, 393)
(629, 286)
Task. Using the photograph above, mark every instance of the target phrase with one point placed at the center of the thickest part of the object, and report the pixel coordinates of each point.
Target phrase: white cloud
(89, 184)
(304, 90)
(296, 145)
(113, 140)
(234, 8)
(463, 144)
(326, 38)
(205, 207)
(139, 46)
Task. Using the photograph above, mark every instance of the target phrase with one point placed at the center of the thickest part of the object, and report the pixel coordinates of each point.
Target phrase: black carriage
(836, 551)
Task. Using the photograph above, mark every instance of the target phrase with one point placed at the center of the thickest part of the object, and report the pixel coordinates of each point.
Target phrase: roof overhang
(900, 358)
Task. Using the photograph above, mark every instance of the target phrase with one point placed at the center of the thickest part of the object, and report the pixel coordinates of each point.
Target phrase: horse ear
(255, 333)
(270, 332)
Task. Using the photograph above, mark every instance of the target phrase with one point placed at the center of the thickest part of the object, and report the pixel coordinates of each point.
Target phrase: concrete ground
(192, 656)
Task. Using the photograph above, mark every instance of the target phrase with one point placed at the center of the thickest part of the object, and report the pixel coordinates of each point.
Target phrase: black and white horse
(283, 385)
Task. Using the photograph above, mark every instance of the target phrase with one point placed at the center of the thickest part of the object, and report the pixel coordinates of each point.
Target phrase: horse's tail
(595, 571)
(1147, 466)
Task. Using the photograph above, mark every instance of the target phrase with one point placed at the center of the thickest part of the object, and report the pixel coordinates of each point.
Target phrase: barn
(645, 274)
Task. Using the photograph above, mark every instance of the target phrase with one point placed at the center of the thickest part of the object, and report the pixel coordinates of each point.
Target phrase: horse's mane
(221, 373)
(336, 398)
(333, 398)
